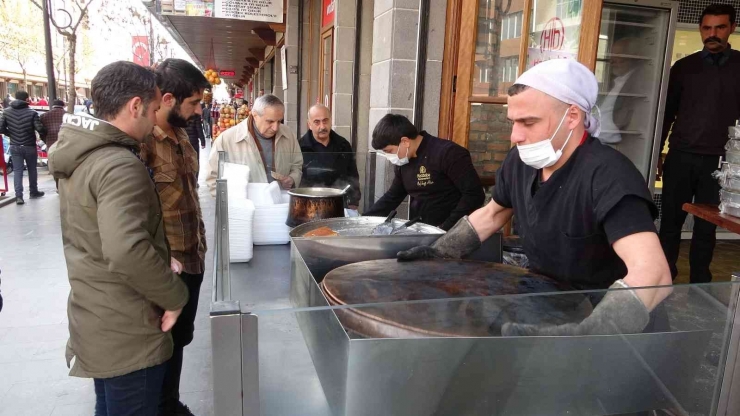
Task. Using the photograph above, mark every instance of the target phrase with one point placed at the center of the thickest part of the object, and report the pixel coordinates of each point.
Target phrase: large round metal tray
(361, 227)
(478, 312)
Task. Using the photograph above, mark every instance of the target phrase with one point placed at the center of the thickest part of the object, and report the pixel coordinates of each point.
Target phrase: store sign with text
(329, 7)
(254, 10)
(554, 38)
(227, 73)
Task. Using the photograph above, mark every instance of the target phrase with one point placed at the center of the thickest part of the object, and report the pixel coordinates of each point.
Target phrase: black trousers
(687, 177)
(182, 335)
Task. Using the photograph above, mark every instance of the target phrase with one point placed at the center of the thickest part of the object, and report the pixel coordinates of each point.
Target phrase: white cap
(568, 81)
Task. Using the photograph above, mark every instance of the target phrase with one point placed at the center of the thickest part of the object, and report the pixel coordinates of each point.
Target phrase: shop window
(325, 72)
(568, 9)
(497, 47)
(12, 88)
(37, 91)
(511, 26)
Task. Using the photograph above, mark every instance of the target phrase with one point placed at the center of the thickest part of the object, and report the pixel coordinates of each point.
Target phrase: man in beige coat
(124, 296)
(261, 142)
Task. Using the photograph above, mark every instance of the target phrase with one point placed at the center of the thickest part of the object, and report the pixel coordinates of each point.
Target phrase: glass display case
(286, 342)
(633, 60)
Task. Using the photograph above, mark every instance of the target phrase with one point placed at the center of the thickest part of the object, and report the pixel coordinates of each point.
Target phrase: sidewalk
(34, 377)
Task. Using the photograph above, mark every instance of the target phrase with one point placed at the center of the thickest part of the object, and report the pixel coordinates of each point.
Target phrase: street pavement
(34, 378)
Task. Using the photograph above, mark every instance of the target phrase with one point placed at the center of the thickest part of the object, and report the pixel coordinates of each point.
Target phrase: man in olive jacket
(124, 295)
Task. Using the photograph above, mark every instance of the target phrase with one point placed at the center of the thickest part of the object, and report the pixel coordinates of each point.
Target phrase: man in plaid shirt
(174, 167)
(52, 120)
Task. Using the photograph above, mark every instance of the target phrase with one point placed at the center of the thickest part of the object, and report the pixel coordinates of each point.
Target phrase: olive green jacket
(118, 261)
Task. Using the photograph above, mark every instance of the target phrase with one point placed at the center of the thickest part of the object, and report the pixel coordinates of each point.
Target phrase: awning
(233, 41)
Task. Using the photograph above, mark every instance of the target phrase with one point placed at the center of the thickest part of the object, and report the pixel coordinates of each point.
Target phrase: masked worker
(584, 212)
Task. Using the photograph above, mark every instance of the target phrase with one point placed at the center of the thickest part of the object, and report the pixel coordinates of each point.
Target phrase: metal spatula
(386, 228)
(406, 225)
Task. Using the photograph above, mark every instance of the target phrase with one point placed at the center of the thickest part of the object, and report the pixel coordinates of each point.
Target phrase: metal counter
(280, 349)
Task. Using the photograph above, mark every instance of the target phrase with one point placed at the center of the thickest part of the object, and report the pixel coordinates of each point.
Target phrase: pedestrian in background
(21, 123)
(174, 165)
(702, 102)
(52, 121)
(195, 133)
(125, 296)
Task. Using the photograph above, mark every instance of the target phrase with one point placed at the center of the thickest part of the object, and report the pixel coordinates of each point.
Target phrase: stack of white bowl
(729, 175)
(270, 213)
(241, 213)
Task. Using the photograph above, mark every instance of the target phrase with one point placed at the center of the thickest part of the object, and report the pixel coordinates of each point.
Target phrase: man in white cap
(583, 211)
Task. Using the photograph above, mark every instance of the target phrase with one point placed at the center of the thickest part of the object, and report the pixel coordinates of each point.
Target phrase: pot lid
(316, 192)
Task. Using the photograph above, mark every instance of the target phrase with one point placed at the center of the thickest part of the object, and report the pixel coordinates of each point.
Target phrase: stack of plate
(241, 213)
(270, 213)
(729, 175)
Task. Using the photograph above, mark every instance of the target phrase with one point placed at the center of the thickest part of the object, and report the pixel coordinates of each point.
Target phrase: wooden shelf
(711, 213)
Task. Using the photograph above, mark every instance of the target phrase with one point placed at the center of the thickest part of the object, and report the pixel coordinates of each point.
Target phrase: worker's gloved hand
(461, 240)
(620, 312)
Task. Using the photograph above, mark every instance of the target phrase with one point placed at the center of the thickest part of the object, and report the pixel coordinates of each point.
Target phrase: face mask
(394, 159)
(541, 154)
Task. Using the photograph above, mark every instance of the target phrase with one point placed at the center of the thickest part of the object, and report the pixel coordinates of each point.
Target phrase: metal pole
(51, 88)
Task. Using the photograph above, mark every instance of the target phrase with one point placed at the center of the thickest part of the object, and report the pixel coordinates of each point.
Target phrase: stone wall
(488, 141)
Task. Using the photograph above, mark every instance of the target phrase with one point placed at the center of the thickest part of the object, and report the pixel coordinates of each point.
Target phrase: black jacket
(21, 123)
(333, 166)
(442, 182)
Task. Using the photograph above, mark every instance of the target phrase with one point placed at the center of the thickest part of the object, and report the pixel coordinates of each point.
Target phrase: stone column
(290, 95)
(393, 74)
(343, 66)
(277, 75)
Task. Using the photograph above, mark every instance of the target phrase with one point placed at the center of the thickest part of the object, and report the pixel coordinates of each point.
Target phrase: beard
(176, 119)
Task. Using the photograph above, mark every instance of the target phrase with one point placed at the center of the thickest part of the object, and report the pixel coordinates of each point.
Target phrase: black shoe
(182, 410)
(19, 200)
(38, 194)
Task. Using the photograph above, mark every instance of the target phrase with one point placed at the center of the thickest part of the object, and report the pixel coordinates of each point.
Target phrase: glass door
(630, 66)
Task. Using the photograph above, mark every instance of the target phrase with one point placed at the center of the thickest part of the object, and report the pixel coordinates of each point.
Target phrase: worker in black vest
(584, 212)
(438, 174)
(703, 101)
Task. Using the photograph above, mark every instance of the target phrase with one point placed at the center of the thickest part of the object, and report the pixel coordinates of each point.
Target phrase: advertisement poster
(329, 7)
(254, 10)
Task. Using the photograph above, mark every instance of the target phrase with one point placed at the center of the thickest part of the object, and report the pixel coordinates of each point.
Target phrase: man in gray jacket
(124, 296)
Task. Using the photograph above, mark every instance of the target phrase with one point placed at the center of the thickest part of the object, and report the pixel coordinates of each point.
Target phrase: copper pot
(311, 204)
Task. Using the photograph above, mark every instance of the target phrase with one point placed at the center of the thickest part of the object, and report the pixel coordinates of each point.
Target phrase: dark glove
(620, 312)
(461, 240)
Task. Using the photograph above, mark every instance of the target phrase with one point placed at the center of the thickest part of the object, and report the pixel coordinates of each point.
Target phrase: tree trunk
(72, 99)
(25, 80)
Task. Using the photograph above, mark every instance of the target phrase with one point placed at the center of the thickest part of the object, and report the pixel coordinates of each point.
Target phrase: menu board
(254, 10)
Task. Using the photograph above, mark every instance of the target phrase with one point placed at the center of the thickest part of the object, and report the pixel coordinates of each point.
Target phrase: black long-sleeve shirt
(333, 165)
(703, 100)
(441, 180)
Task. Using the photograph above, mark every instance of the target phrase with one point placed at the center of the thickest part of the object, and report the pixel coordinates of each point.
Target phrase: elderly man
(328, 159)
(583, 210)
(264, 144)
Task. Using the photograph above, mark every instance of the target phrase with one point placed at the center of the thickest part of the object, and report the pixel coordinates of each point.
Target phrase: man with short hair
(124, 296)
(261, 142)
(703, 100)
(584, 212)
(328, 158)
(169, 155)
(21, 123)
(438, 174)
(52, 121)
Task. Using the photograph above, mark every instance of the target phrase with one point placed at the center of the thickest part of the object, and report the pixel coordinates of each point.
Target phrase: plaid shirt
(174, 167)
(52, 120)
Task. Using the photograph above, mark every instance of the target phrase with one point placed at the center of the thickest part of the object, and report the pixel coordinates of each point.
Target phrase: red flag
(140, 49)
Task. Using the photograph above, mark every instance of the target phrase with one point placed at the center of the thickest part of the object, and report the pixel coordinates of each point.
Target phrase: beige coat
(240, 147)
